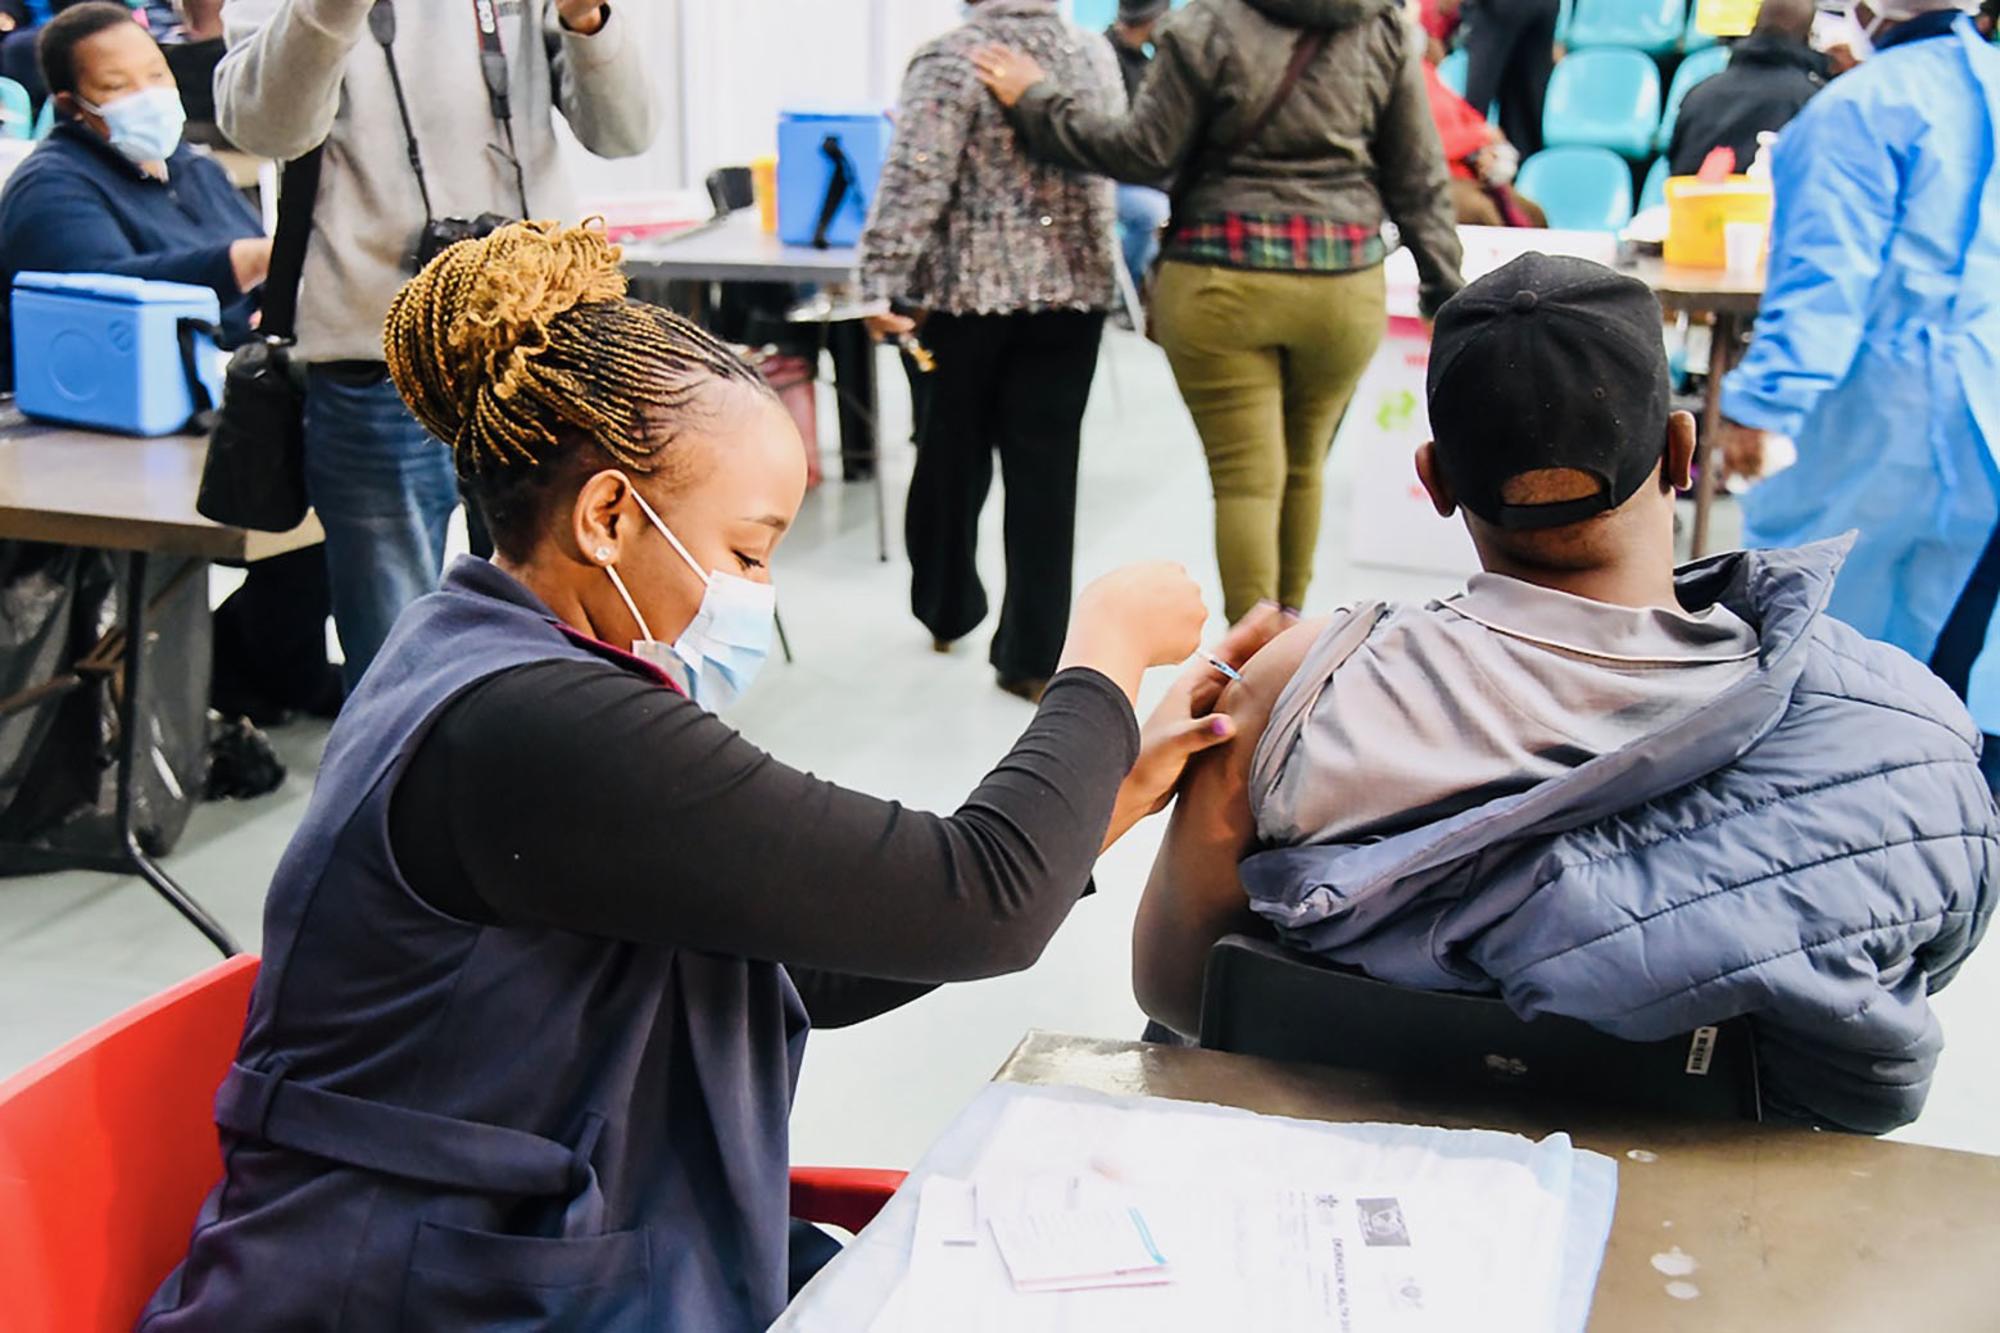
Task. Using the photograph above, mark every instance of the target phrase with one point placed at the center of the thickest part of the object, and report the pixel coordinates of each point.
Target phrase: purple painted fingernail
(1218, 726)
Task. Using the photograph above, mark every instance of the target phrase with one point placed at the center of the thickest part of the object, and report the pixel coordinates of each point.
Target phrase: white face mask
(727, 642)
(1859, 37)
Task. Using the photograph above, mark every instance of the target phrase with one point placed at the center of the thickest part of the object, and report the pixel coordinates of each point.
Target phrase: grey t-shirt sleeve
(1273, 778)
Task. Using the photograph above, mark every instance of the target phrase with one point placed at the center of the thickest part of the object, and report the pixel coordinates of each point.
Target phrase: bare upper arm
(1194, 897)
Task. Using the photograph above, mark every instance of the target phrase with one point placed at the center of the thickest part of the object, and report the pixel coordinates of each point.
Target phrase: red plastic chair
(108, 1147)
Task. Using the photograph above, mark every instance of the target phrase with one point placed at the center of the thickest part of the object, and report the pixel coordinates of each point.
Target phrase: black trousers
(270, 635)
(1510, 54)
(1963, 638)
(1015, 385)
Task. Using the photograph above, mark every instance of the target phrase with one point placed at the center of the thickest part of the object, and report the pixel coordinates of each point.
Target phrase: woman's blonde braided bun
(507, 345)
(520, 349)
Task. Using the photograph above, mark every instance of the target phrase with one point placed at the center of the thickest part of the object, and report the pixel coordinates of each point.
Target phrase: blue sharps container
(104, 351)
(829, 163)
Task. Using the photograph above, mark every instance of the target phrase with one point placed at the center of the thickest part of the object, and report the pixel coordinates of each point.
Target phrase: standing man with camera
(436, 120)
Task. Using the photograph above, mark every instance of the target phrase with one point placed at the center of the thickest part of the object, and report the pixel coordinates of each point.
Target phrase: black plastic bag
(61, 678)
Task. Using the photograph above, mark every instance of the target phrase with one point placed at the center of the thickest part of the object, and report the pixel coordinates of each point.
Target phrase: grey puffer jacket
(1817, 850)
(1353, 143)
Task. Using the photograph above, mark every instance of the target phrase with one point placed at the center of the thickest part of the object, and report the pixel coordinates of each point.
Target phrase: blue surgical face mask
(727, 642)
(145, 126)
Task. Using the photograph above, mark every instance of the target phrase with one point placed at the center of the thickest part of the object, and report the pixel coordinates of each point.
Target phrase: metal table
(1789, 1229)
(737, 249)
(1732, 303)
(84, 488)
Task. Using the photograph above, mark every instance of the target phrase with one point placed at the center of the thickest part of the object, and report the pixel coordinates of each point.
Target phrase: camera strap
(382, 27)
(492, 69)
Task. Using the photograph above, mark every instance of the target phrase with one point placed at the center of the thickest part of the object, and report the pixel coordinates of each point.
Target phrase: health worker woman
(540, 961)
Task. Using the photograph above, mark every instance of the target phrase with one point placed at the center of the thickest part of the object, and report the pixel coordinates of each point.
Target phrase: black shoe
(1031, 688)
(241, 762)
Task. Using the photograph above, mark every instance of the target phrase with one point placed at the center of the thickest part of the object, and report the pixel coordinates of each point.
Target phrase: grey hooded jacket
(1353, 143)
(1817, 850)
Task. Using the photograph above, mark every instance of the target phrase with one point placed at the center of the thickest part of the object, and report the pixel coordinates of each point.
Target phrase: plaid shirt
(1282, 244)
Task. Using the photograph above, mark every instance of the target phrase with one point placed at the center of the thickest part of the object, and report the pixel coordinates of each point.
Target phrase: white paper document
(1079, 1250)
(1088, 1215)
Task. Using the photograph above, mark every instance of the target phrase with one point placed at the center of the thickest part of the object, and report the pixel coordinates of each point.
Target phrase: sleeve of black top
(578, 796)
(839, 1000)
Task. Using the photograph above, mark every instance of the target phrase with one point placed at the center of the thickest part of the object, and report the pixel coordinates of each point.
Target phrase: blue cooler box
(98, 350)
(806, 170)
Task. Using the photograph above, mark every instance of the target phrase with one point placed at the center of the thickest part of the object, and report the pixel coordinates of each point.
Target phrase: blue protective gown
(1878, 344)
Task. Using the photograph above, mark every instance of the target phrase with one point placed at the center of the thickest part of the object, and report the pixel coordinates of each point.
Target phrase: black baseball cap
(1550, 362)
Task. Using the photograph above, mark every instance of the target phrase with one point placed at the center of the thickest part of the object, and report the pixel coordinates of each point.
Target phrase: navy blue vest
(437, 1125)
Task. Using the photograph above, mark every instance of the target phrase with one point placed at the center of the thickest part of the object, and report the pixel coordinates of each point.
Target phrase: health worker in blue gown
(1878, 344)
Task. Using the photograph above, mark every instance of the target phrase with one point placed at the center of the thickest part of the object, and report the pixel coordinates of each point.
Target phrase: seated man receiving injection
(1651, 799)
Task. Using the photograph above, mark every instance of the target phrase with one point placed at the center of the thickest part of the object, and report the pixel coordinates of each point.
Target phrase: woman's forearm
(1060, 129)
(1145, 145)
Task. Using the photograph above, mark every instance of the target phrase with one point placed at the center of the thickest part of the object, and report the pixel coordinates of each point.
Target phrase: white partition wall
(655, 24)
(726, 68)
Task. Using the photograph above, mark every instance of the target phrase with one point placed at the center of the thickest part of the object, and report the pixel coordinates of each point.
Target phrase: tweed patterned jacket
(964, 222)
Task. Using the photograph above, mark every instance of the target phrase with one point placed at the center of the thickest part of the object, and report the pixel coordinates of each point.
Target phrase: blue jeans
(384, 491)
(1141, 212)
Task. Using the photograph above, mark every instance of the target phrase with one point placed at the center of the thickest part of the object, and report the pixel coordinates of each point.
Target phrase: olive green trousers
(1267, 363)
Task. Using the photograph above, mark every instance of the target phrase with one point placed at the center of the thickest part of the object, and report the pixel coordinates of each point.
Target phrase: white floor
(867, 703)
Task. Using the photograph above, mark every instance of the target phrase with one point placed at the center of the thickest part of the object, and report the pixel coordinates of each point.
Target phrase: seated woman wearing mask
(540, 961)
(114, 190)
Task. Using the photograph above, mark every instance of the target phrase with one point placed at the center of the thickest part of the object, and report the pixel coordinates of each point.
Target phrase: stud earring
(603, 554)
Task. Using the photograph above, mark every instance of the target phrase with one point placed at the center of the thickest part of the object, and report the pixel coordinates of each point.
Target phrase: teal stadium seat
(1654, 193)
(45, 123)
(1096, 15)
(17, 113)
(1604, 99)
(1581, 189)
(1451, 71)
(1652, 26)
(1703, 64)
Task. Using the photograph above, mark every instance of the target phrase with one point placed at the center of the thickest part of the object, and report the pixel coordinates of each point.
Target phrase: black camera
(440, 234)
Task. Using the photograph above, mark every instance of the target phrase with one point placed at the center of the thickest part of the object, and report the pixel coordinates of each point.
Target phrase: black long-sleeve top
(578, 796)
